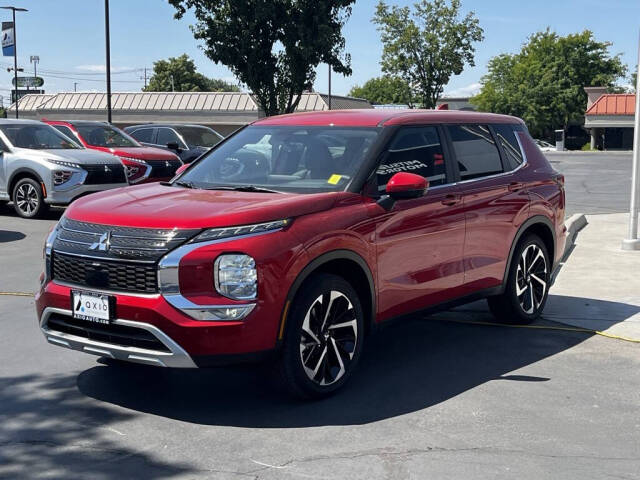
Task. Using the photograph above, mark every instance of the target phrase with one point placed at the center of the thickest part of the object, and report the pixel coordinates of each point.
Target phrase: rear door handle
(515, 186)
(451, 199)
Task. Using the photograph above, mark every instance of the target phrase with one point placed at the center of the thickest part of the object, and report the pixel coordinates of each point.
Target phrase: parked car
(299, 251)
(39, 166)
(545, 146)
(143, 164)
(188, 141)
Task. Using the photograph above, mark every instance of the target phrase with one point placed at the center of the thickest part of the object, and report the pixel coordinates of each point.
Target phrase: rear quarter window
(506, 137)
(475, 150)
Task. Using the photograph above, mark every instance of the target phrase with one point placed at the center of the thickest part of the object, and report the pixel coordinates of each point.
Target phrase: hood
(81, 156)
(141, 153)
(162, 206)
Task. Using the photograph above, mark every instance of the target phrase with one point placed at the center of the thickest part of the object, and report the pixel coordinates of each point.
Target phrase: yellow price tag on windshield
(334, 179)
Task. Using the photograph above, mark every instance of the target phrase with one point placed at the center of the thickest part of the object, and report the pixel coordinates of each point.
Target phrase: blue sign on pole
(8, 39)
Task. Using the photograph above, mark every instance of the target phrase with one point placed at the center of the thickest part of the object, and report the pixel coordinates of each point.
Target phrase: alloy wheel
(328, 338)
(531, 279)
(27, 198)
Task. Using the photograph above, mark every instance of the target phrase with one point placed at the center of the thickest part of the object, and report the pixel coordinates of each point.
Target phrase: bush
(586, 147)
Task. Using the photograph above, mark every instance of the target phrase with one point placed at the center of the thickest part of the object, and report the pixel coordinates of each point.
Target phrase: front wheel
(28, 199)
(324, 337)
(527, 286)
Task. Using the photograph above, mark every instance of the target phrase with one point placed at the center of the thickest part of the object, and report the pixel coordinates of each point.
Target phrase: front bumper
(58, 196)
(189, 343)
(175, 357)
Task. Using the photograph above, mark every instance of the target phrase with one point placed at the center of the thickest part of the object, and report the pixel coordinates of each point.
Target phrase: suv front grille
(104, 174)
(109, 275)
(114, 334)
(163, 168)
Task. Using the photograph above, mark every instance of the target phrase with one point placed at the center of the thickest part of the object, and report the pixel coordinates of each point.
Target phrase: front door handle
(515, 186)
(451, 199)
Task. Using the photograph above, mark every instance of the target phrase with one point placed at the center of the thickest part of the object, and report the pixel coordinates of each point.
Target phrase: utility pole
(329, 87)
(108, 62)
(15, 49)
(633, 243)
(75, 86)
(144, 77)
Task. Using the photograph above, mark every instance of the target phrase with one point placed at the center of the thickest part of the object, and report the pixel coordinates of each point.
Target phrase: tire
(526, 291)
(318, 359)
(28, 200)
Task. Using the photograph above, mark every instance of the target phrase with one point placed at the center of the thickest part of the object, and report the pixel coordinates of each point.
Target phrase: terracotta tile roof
(614, 104)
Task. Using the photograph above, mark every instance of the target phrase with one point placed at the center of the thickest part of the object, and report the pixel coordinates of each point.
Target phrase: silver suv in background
(40, 166)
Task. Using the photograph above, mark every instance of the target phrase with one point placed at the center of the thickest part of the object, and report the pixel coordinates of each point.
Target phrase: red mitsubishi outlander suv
(142, 164)
(300, 234)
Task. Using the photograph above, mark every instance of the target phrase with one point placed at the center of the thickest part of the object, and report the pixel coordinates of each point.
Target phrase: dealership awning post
(633, 243)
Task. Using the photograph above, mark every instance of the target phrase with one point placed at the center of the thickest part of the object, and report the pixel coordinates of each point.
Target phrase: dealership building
(609, 119)
(222, 111)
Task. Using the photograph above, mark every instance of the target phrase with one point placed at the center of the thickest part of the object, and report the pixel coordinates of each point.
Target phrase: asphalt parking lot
(433, 398)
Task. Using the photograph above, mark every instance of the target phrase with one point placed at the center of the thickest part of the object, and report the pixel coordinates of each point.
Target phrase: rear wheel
(324, 337)
(28, 199)
(527, 286)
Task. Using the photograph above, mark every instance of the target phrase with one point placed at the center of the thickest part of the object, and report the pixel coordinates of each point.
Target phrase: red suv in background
(142, 164)
(299, 235)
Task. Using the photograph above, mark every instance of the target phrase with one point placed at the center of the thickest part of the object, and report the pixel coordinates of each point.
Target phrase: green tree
(185, 78)
(383, 90)
(427, 45)
(544, 83)
(634, 79)
(272, 46)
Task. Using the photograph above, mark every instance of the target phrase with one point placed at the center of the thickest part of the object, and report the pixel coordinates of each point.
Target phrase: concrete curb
(574, 224)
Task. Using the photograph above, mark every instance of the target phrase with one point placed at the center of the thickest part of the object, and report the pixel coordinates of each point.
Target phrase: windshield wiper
(184, 184)
(243, 188)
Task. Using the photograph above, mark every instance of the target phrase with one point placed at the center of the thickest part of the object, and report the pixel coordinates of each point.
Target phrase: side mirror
(403, 185)
(174, 146)
(181, 169)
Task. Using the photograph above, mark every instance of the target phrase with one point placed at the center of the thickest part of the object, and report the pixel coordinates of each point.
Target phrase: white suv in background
(40, 166)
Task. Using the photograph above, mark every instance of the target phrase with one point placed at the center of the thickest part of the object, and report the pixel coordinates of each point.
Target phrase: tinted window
(476, 152)
(414, 150)
(105, 136)
(506, 136)
(167, 135)
(143, 135)
(35, 136)
(199, 136)
(65, 131)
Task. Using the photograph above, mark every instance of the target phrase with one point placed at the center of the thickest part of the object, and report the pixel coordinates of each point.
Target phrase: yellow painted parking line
(547, 327)
(16, 294)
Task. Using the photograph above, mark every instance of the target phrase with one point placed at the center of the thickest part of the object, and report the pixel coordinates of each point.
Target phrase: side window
(506, 136)
(143, 135)
(475, 150)
(167, 135)
(415, 150)
(65, 131)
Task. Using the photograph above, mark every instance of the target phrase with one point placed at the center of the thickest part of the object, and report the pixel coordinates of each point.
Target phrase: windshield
(199, 136)
(37, 137)
(105, 136)
(284, 158)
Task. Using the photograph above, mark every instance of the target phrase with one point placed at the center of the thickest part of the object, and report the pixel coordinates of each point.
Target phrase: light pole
(329, 87)
(108, 52)
(15, 49)
(75, 86)
(633, 243)
(35, 59)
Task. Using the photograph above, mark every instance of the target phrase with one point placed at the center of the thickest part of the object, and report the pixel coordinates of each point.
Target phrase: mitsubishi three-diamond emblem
(103, 244)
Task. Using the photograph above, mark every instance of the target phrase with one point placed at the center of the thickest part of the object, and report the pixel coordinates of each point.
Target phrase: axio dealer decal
(400, 167)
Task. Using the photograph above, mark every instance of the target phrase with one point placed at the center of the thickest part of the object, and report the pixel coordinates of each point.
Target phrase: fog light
(235, 276)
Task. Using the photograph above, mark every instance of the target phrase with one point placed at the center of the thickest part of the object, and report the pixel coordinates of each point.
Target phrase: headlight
(235, 276)
(135, 169)
(64, 163)
(227, 232)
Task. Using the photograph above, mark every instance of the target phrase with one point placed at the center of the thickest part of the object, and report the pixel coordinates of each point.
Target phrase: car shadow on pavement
(63, 434)
(407, 367)
(7, 236)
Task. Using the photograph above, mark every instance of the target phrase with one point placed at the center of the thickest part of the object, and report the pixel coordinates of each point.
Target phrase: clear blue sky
(68, 35)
